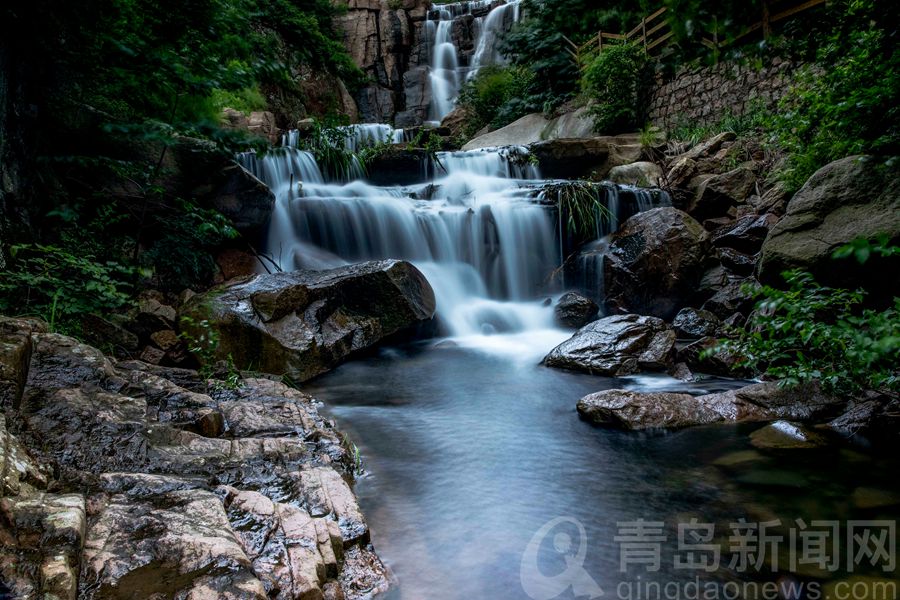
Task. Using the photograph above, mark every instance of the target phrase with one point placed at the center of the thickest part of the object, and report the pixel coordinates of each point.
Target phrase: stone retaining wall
(705, 95)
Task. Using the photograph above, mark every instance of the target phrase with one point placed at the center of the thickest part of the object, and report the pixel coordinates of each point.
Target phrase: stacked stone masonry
(706, 95)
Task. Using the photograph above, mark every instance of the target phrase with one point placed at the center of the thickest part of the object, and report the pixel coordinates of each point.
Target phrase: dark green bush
(617, 80)
(497, 96)
(848, 103)
(59, 285)
(809, 332)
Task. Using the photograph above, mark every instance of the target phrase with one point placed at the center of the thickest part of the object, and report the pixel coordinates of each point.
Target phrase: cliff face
(386, 39)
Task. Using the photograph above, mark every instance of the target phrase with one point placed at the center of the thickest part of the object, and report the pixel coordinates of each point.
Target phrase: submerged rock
(782, 435)
(622, 409)
(617, 345)
(304, 323)
(574, 310)
(655, 262)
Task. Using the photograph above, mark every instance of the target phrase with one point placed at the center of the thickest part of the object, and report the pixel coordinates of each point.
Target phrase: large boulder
(655, 262)
(736, 296)
(535, 127)
(746, 234)
(622, 409)
(570, 158)
(692, 323)
(720, 192)
(617, 345)
(854, 197)
(15, 356)
(304, 323)
(641, 174)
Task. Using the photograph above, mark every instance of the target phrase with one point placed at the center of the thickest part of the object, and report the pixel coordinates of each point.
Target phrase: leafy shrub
(538, 42)
(849, 103)
(617, 80)
(60, 286)
(809, 332)
(181, 257)
(497, 96)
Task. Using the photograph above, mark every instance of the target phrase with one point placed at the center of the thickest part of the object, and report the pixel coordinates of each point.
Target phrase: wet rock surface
(655, 261)
(695, 323)
(574, 310)
(303, 323)
(617, 345)
(622, 409)
(119, 482)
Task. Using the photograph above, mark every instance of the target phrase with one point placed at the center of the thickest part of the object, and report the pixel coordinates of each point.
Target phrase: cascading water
(364, 135)
(497, 22)
(481, 239)
(583, 269)
(449, 67)
(444, 74)
(482, 231)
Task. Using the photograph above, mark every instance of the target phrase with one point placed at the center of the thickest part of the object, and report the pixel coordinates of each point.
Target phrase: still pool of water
(469, 453)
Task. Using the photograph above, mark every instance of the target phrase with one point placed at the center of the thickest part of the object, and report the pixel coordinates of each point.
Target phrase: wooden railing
(654, 31)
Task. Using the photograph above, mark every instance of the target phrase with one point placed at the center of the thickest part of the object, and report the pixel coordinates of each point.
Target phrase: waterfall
(365, 135)
(583, 269)
(483, 230)
(497, 22)
(450, 67)
(444, 74)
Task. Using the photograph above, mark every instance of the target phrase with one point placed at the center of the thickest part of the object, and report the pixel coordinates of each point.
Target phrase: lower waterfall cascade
(484, 230)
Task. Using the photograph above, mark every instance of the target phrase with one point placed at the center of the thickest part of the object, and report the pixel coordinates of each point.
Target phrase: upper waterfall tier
(477, 25)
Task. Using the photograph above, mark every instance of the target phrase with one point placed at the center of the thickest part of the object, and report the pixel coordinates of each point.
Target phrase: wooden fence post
(766, 24)
(644, 32)
(716, 40)
(600, 40)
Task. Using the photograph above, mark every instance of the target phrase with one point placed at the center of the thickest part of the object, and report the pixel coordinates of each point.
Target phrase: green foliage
(538, 42)
(848, 103)
(581, 209)
(60, 286)
(202, 342)
(497, 96)
(326, 140)
(754, 121)
(863, 249)
(813, 333)
(246, 100)
(181, 256)
(427, 140)
(119, 84)
(617, 79)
